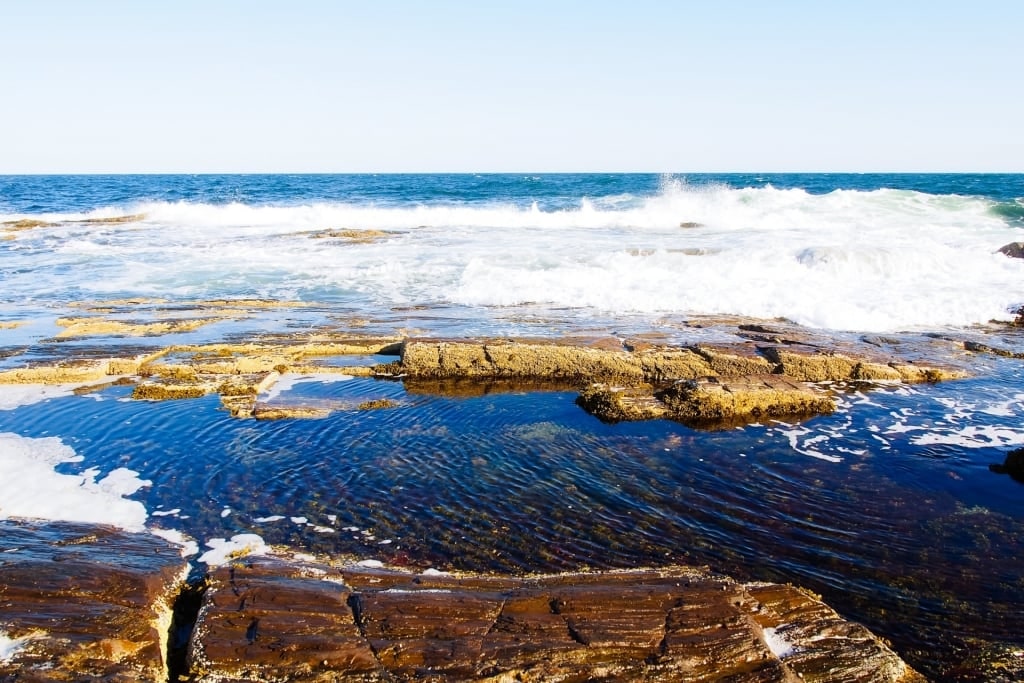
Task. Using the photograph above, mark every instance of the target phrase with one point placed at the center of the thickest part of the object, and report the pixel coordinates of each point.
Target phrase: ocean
(888, 507)
(879, 252)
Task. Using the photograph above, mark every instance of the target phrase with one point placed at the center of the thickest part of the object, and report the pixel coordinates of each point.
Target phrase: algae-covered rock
(621, 404)
(813, 364)
(808, 364)
(377, 404)
(506, 358)
(93, 327)
(113, 220)
(70, 372)
(593, 360)
(265, 412)
(717, 400)
(734, 360)
(665, 364)
(352, 235)
(151, 391)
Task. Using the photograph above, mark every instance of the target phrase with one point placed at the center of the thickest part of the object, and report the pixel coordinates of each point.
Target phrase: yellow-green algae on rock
(618, 378)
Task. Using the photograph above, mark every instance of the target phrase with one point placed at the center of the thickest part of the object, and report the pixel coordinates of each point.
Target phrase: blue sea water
(879, 252)
(888, 507)
(82, 193)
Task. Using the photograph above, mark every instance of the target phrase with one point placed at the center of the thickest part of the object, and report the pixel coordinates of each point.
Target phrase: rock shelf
(86, 602)
(769, 371)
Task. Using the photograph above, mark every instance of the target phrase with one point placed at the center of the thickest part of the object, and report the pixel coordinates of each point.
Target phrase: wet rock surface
(753, 371)
(82, 602)
(270, 619)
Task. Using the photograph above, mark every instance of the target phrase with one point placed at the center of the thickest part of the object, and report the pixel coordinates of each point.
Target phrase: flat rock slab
(84, 602)
(709, 402)
(270, 619)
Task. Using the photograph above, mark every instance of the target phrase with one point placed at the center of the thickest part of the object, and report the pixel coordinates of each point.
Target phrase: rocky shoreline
(103, 609)
(93, 602)
(766, 370)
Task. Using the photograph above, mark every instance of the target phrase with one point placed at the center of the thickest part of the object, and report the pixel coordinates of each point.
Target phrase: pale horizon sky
(446, 86)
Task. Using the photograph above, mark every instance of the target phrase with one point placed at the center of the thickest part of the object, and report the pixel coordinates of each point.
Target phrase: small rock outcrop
(1013, 249)
(82, 602)
(707, 402)
(1013, 465)
(713, 400)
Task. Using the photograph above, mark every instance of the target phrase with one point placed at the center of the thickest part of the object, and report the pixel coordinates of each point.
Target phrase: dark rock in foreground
(267, 619)
(1013, 465)
(82, 602)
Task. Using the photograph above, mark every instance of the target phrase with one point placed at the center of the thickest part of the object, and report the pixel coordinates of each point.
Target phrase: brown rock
(507, 358)
(587, 361)
(87, 602)
(265, 619)
(1013, 249)
(270, 620)
(813, 364)
(809, 364)
(735, 360)
(713, 400)
(611, 403)
(819, 645)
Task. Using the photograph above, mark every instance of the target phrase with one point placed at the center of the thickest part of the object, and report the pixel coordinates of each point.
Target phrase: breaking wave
(858, 260)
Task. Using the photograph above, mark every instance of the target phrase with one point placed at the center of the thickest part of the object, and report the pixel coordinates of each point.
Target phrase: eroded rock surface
(82, 602)
(754, 375)
(269, 619)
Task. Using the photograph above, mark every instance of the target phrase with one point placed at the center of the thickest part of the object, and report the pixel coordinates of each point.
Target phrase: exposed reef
(9, 229)
(768, 370)
(352, 235)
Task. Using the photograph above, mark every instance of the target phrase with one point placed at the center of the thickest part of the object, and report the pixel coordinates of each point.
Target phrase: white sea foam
(222, 550)
(188, 546)
(289, 381)
(16, 395)
(10, 647)
(878, 260)
(779, 646)
(271, 518)
(30, 487)
(978, 436)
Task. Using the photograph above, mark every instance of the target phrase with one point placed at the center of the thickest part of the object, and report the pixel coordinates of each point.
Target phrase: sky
(442, 86)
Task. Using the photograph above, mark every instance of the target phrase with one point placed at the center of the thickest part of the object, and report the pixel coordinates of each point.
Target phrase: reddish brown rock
(269, 620)
(85, 602)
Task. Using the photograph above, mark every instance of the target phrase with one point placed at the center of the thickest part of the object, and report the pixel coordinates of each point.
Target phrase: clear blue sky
(440, 85)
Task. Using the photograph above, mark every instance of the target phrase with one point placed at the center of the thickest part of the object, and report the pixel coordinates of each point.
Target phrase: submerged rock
(1013, 465)
(353, 235)
(83, 602)
(270, 619)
